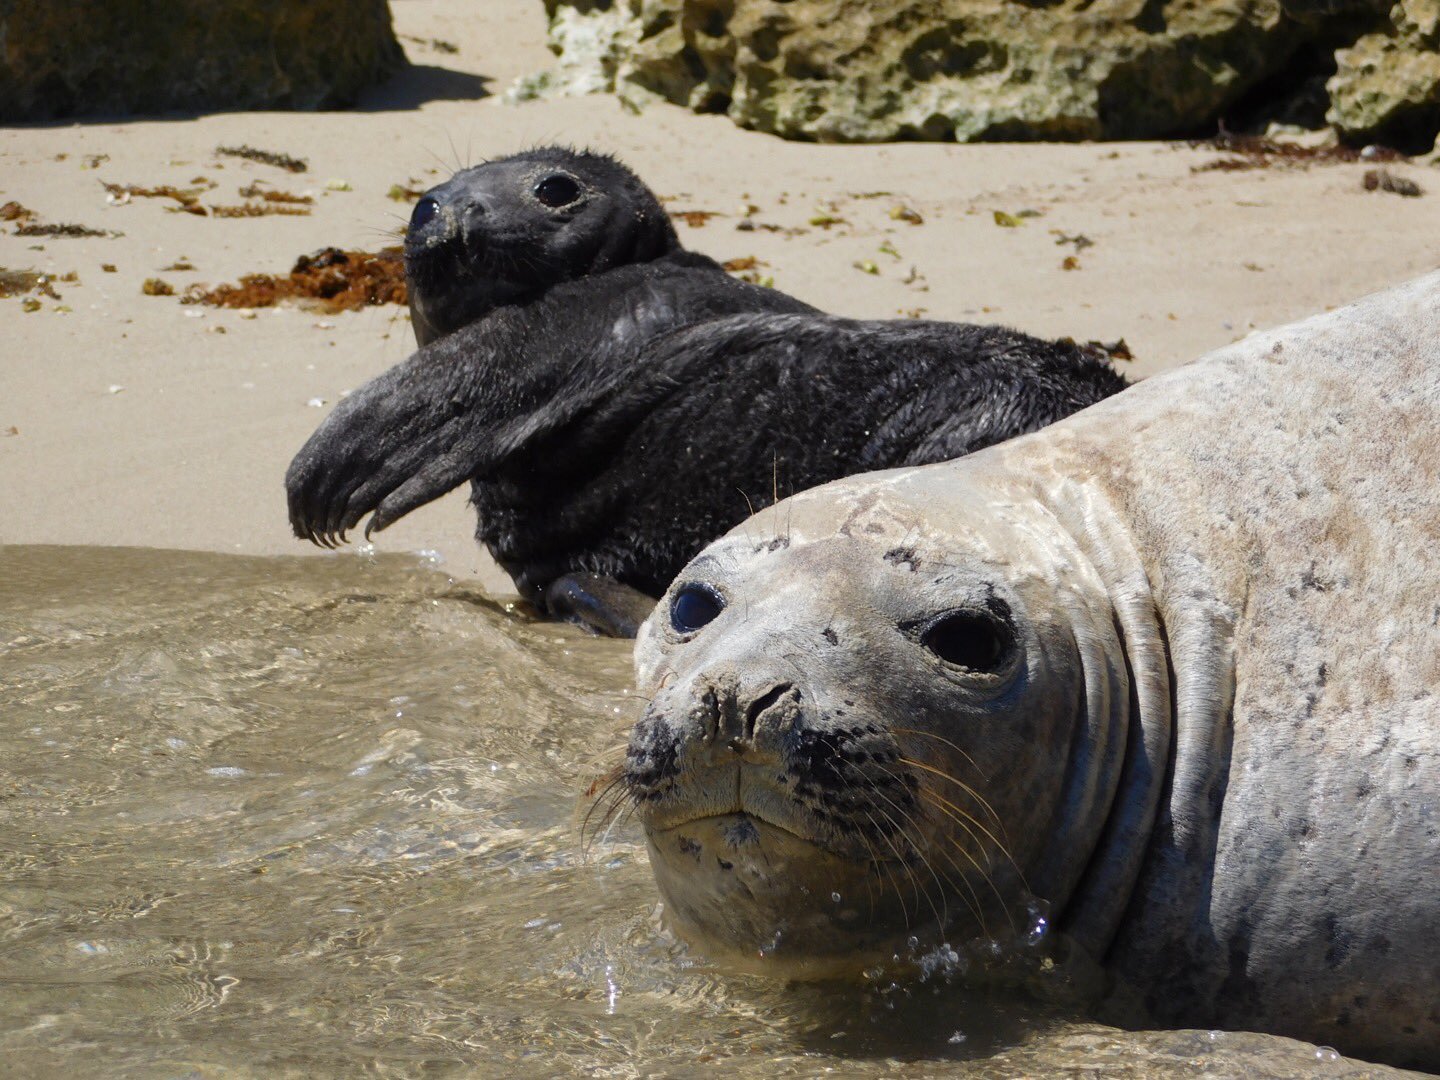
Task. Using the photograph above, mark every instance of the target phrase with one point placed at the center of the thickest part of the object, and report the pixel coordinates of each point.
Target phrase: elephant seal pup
(1171, 665)
(616, 402)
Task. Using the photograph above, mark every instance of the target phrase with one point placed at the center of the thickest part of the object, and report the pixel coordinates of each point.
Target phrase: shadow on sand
(419, 83)
(406, 90)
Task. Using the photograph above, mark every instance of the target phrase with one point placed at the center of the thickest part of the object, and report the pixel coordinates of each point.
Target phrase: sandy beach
(131, 419)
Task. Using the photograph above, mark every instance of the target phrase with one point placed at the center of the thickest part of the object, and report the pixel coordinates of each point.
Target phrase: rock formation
(870, 70)
(143, 56)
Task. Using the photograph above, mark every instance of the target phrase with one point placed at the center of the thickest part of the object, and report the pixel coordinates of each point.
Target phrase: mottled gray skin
(1208, 734)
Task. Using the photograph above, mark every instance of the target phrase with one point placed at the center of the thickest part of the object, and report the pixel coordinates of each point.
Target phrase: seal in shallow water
(1170, 665)
(617, 402)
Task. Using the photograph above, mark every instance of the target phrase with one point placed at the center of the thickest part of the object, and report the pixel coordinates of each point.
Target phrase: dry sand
(134, 420)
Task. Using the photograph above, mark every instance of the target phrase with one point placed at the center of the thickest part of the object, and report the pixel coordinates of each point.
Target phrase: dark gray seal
(616, 402)
(1171, 665)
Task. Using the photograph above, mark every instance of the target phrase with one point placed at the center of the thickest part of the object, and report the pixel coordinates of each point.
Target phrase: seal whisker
(619, 822)
(973, 901)
(438, 159)
(609, 800)
(937, 738)
(869, 887)
(970, 896)
(919, 850)
(609, 807)
(980, 869)
(938, 800)
(910, 871)
(984, 804)
(885, 868)
(609, 778)
(955, 814)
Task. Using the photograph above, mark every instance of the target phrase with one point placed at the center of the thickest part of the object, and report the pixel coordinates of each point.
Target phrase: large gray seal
(1170, 666)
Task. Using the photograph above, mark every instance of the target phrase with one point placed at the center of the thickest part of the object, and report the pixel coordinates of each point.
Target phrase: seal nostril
(760, 704)
(424, 211)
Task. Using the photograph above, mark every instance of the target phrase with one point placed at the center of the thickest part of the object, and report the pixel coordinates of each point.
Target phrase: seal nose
(444, 214)
(738, 718)
(756, 714)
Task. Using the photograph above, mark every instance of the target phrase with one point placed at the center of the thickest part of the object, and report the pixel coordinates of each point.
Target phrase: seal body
(1181, 686)
(616, 402)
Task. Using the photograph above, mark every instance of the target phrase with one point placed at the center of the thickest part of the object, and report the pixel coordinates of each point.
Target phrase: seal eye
(424, 210)
(695, 606)
(968, 639)
(557, 190)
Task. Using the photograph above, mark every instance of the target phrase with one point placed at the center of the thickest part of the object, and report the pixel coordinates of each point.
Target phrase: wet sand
(135, 420)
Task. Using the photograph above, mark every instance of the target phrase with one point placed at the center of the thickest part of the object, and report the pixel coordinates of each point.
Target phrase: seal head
(505, 231)
(860, 739)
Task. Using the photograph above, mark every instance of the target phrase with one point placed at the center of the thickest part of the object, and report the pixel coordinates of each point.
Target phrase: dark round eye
(557, 190)
(973, 640)
(424, 210)
(694, 606)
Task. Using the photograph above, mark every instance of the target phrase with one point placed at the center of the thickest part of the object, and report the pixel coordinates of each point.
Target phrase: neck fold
(1140, 714)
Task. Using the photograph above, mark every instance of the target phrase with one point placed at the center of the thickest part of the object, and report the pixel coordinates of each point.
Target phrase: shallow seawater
(308, 816)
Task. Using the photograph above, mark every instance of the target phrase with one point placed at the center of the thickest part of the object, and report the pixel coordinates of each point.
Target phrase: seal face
(504, 231)
(816, 772)
(1180, 685)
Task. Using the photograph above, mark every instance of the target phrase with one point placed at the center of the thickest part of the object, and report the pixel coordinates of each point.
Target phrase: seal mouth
(737, 822)
(755, 809)
(773, 900)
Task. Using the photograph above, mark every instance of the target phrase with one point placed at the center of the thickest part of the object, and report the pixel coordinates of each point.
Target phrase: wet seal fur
(1171, 665)
(616, 401)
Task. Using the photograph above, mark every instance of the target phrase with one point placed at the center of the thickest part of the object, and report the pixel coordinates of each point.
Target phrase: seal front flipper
(604, 605)
(401, 441)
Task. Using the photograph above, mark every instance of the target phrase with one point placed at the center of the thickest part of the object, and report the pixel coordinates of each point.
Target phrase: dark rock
(147, 56)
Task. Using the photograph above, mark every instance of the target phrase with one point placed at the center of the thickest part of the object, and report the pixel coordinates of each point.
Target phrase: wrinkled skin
(616, 402)
(1180, 685)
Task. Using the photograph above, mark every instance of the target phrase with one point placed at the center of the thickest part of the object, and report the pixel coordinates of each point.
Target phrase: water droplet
(957, 1038)
(834, 897)
(1326, 1053)
(1039, 913)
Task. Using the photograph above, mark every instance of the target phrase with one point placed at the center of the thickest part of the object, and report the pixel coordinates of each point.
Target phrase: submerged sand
(134, 419)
